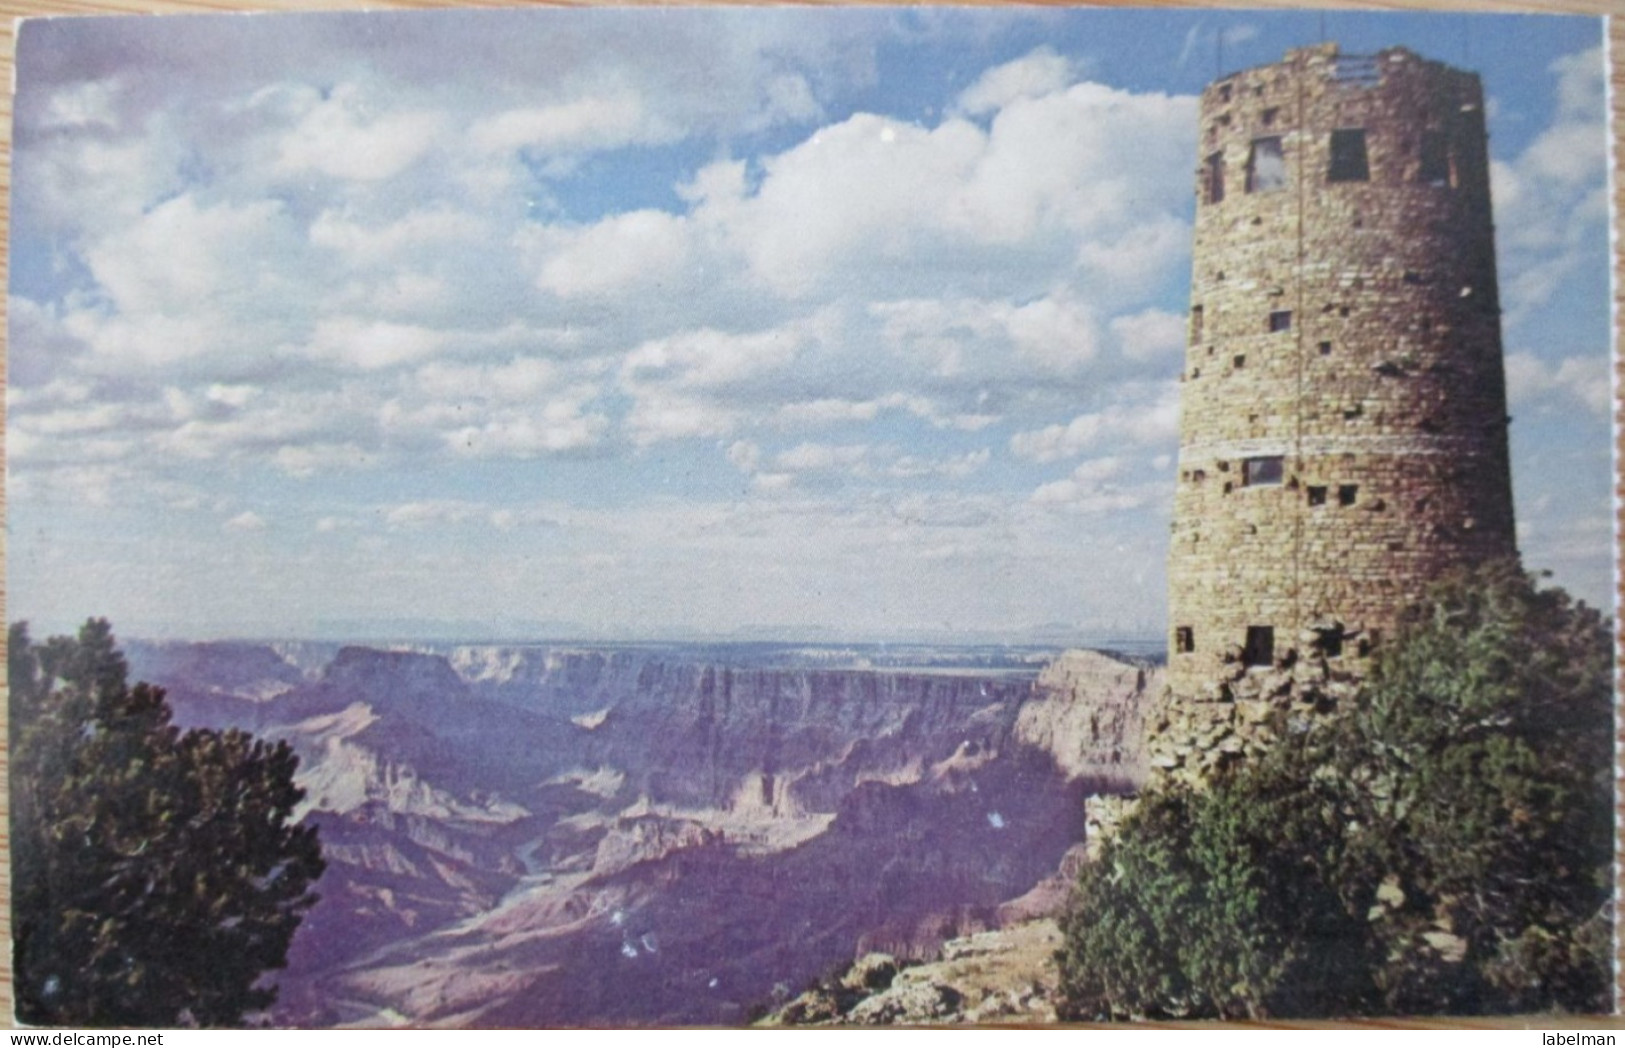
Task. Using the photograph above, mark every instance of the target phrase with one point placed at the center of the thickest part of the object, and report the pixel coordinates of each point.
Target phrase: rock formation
(993, 977)
(555, 836)
(1090, 713)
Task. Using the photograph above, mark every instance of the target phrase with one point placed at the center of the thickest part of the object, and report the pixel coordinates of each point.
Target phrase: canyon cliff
(526, 836)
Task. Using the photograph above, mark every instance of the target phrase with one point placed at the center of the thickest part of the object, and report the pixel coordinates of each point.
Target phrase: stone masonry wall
(1343, 409)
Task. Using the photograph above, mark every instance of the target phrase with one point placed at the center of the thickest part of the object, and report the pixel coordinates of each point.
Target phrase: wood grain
(11, 10)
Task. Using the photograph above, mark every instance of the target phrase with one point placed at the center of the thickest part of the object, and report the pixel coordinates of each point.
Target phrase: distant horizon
(954, 656)
(765, 638)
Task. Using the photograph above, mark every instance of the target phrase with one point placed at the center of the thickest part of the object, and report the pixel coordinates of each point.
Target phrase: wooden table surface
(11, 10)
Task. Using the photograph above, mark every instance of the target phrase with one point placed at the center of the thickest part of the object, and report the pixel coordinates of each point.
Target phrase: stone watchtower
(1343, 429)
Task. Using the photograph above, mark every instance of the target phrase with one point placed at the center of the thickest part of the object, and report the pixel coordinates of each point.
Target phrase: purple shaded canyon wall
(550, 836)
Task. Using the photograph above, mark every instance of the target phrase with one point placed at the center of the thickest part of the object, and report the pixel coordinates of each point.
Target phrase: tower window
(1434, 169)
(1329, 640)
(1266, 168)
(1325, 349)
(1196, 324)
(1260, 647)
(1348, 159)
(1347, 494)
(1262, 471)
(1184, 640)
(1281, 320)
(1267, 117)
(1356, 70)
(1224, 92)
(1317, 494)
(1241, 360)
(1213, 178)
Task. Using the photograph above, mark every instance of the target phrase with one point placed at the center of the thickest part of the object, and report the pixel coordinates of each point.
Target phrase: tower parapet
(1343, 423)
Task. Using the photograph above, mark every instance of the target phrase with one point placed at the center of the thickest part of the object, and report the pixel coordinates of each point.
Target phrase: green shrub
(1443, 845)
(157, 876)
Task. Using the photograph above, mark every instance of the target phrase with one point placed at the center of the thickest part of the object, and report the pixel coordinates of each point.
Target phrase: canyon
(634, 835)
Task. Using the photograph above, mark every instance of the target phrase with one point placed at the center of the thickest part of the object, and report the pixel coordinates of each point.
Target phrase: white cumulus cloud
(247, 520)
(1581, 380)
(342, 136)
(1040, 72)
(579, 125)
(1145, 421)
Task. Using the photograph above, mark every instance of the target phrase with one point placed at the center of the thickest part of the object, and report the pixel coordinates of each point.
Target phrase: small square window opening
(1265, 470)
(1434, 169)
(1266, 168)
(1213, 178)
(1348, 161)
(1260, 647)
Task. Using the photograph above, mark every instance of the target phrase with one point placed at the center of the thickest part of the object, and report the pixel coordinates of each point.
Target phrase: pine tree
(157, 875)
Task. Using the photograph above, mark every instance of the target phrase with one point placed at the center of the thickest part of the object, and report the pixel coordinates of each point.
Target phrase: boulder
(871, 972)
(908, 1004)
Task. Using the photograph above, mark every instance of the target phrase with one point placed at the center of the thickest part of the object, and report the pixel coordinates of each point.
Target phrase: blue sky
(663, 323)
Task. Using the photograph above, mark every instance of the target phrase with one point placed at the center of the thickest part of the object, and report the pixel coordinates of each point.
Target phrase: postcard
(809, 516)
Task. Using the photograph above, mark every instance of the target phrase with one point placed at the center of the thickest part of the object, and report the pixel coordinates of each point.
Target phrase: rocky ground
(993, 977)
